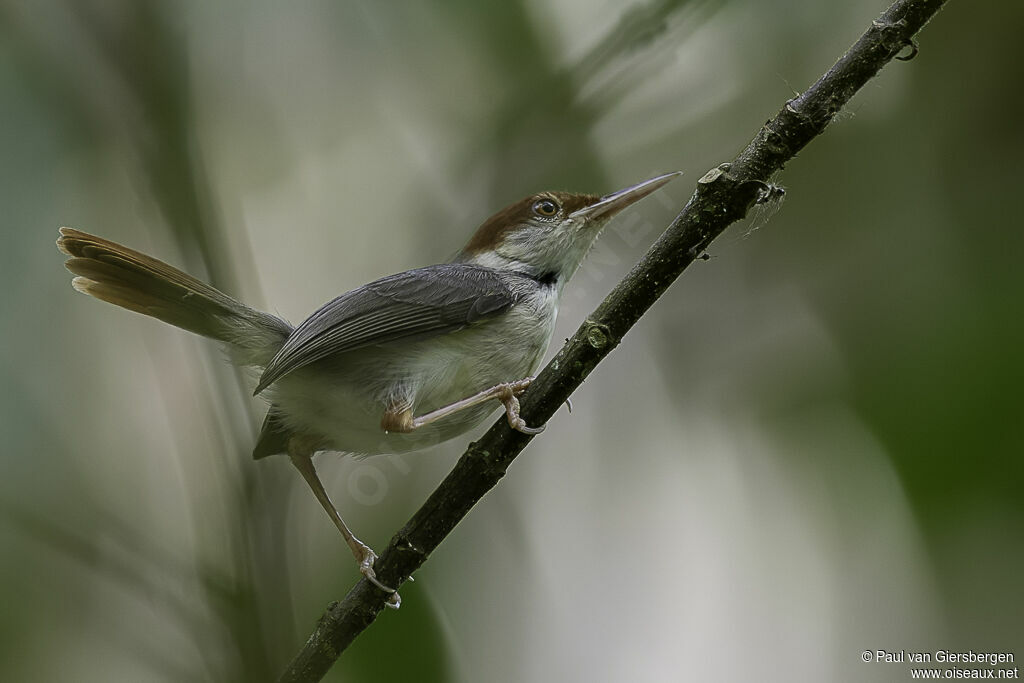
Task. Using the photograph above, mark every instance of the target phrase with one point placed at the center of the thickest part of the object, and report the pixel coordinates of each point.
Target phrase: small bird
(399, 364)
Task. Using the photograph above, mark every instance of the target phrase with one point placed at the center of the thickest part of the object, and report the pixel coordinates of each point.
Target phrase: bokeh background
(811, 447)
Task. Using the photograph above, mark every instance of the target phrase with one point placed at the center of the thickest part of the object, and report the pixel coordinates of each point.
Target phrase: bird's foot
(366, 557)
(508, 396)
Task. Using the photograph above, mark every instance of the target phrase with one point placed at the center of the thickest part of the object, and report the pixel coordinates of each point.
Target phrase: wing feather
(422, 302)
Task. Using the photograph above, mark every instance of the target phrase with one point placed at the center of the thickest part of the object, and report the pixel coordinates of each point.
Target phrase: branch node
(802, 118)
(912, 44)
(894, 36)
(597, 335)
(715, 174)
(331, 606)
(403, 543)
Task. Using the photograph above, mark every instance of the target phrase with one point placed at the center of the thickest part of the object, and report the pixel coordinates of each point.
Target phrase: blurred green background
(812, 446)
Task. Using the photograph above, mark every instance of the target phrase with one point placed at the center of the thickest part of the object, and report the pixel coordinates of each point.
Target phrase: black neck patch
(548, 279)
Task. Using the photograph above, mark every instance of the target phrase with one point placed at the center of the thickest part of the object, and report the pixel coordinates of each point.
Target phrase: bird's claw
(520, 426)
(366, 569)
(511, 403)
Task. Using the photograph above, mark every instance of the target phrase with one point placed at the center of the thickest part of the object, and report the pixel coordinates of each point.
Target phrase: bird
(397, 365)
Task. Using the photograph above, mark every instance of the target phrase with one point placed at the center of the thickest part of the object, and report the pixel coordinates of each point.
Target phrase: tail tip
(60, 241)
(82, 284)
(66, 238)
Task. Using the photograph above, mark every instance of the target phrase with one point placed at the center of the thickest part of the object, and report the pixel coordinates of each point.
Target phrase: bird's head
(547, 235)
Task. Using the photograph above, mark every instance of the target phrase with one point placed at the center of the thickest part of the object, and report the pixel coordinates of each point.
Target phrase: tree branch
(723, 196)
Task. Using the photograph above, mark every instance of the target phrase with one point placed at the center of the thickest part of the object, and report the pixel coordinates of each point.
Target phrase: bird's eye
(545, 207)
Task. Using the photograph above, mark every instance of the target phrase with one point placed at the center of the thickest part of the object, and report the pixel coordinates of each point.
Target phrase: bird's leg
(401, 419)
(303, 461)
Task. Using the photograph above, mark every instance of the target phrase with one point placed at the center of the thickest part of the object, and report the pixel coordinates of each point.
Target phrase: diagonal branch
(723, 196)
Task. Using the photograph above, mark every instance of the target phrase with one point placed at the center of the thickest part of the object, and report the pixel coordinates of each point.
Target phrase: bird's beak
(611, 204)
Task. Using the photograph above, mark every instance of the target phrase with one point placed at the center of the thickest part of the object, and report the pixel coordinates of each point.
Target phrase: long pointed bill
(611, 204)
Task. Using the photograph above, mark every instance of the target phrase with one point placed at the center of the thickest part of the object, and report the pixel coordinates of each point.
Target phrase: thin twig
(723, 196)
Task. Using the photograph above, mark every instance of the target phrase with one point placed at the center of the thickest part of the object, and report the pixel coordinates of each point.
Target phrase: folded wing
(422, 302)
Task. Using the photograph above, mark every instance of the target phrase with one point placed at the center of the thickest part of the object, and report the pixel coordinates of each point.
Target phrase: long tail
(126, 278)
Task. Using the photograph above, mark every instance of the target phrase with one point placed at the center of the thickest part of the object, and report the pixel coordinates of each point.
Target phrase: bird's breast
(505, 348)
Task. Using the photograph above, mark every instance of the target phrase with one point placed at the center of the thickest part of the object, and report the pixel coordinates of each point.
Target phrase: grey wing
(426, 301)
